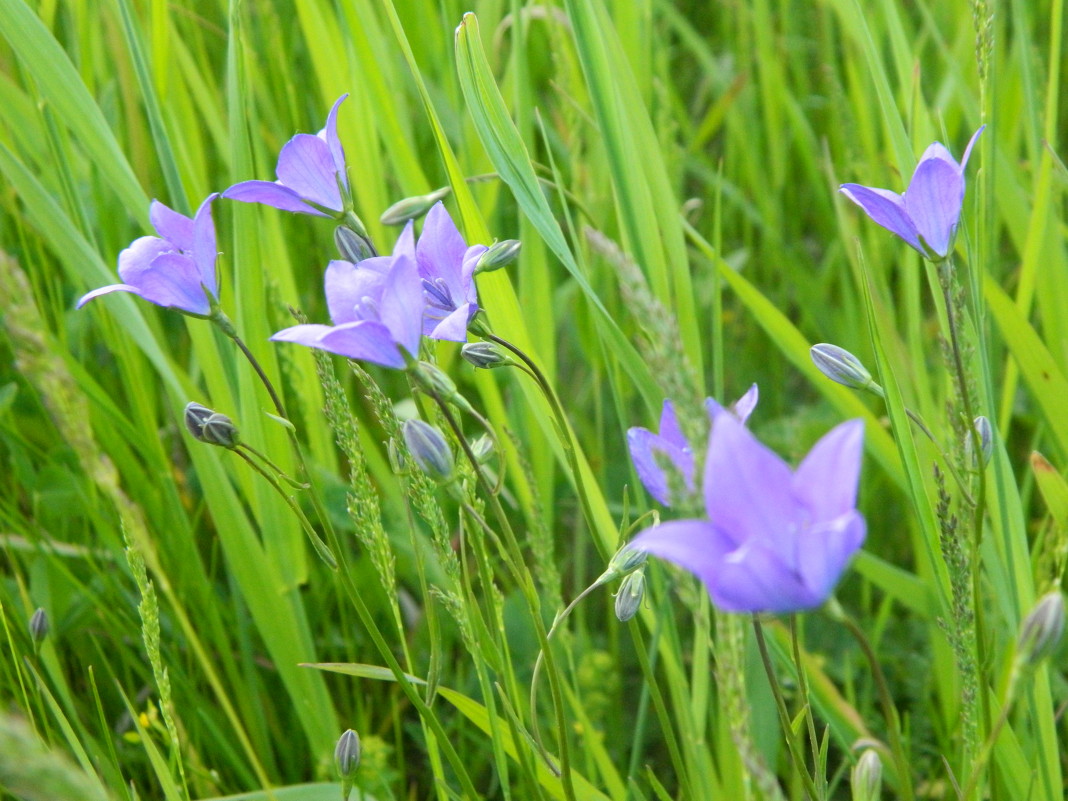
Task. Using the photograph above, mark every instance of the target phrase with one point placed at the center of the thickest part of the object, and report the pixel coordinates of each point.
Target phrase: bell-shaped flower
(651, 452)
(311, 174)
(377, 310)
(447, 267)
(775, 540)
(926, 215)
(175, 269)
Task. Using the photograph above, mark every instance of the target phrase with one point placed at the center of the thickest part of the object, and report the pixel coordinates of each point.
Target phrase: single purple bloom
(175, 269)
(311, 175)
(775, 540)
(447, 267)
(926, 215)
(648, 450)
(377, 311)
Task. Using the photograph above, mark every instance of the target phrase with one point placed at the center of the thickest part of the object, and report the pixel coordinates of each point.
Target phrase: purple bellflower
(775, 540)
(175, 269)
(926, 215)
(649, 451)
(447, 267)
(377, 310)
(311, 175)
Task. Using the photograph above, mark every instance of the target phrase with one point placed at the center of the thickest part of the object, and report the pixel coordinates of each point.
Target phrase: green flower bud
(397, 460)
(485, 355)
(1042, 629)
(210, 427)
(431, 378)
(867, 776)
(411, 208)
(838, 364)
(39, 625)
(482, 448)
(351, 245)
(626, 560)
(630, 595)
(347, 759)
(429, 450)
(498, 255)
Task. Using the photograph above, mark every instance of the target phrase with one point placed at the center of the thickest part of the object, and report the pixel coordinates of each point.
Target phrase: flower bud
(482, 448)
(498, 255)
(867, 776)
(347, 759)
(39, 625)
(411, 208)
(1041, 631)
(210, 427)
(485, 355)
(431, 378)
(630, 595)
(838, 364)
(985, 431)
(626, 560)
(398, 462)
(351, 245)
(429, 449)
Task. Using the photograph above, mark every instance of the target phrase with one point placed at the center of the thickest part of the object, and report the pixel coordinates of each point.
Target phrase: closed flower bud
(1042, 629)
(210, 427)
(351, 245)
(431, 378)
(838, 364)
(630, 596)
(482, 448)
(485, 355)
(986, 441)
(347, 759)
(867, 777)
(39, 625)
(397, 460)
(411, 208)
(626, 560)
(429, 449)
(500, 254)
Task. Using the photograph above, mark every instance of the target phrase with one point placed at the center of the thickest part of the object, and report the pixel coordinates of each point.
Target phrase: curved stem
(784, 715)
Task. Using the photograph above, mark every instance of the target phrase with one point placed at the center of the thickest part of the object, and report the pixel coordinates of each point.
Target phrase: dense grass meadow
(199, 603)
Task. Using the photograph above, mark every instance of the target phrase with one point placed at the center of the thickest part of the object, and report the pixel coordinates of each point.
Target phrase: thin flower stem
(321, 547)
(802, 688)
(561, 423)
(901, 762)
(784, 715)
(524, 582)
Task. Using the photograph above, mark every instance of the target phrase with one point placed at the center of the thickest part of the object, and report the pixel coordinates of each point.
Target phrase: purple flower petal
(440, 249)
(172, 226)
(933, 201)
(825, 548)
(826, 481)
(403, 303)
(172, 280)
(452, 327)
(204, 250)
(644, 446)
(136, 258)
(746, 486)
(367, 341)
(329, 135)
(669, 425)
(305, 334)
(755, 579)
(968, 150)
(306, 166)
(106, 290)
(269, 193)
(887, 209)
(346, 286)
(692, 544)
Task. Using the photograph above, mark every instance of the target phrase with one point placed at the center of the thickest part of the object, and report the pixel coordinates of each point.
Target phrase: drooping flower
(926, 215)
(311, 174)
(377, 311)
(447, 267)
(175, 269)
(775, 540)
(648, 451)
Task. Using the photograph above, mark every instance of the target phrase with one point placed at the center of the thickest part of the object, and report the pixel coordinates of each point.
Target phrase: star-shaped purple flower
(376, 307)
(775, 540)
(648, 450)
(447, 267)
(175, 269)
(926, 215)
(311, 175)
